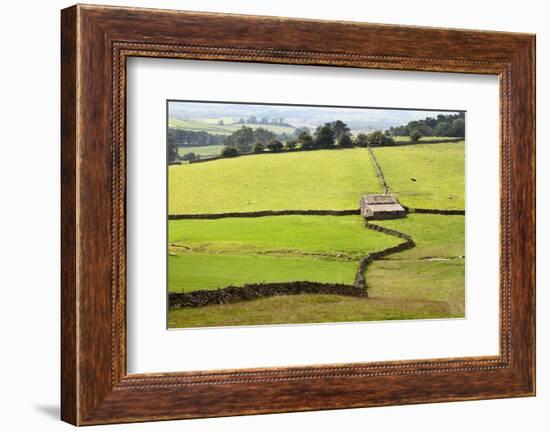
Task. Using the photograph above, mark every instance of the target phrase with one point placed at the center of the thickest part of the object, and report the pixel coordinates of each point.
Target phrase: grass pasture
(197, 271)
(209, 254)
(408, 285)
(208, 151)
(430, 290)
(342, 237)
(398, 290)
(424, 282)
(435, 235)
(425, 176)
(198, 126)
(323, 179)
(210, 125)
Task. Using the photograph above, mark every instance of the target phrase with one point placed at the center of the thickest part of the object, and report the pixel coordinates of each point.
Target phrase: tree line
(329, 135)
(450, 125)
(336, 134)
(264, 120)
(182, 137)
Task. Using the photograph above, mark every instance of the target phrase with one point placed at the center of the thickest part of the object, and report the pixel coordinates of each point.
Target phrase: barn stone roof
(386, 208)
(379, 199)
(381, 203)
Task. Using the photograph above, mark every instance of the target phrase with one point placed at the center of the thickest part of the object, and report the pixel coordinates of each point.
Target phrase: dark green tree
(340, 128)
(441, 125)
(182, 137)
(172, 152)
(291, 144)
(345, 141)
(415, 135)
(324, 136)
(275, 146)
(423, 128)
(259, 147)
(263, 135)
(189, 157)
(379, 139)
(443, 129)
(242, 139)
(362, 140)
(458, 128)
(299, 130)
(306, 141)
(229, 152)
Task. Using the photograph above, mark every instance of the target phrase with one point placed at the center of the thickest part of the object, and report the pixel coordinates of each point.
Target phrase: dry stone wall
(231, 294)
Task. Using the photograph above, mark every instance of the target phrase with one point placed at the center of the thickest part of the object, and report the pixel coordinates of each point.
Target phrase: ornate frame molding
(96, 41)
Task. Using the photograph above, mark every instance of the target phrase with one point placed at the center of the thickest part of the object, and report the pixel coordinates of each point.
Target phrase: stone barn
(380, 207)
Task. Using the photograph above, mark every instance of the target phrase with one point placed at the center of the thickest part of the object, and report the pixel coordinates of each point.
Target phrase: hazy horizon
(301, 115)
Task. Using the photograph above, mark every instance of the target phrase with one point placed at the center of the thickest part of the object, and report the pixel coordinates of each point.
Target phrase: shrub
(230, 152)
(379, 139)
(275, 146)
(362, 140)
(306, 141)
(259, 147)
(415, 135)
(189, 157)
(172, 151)
(291, 144)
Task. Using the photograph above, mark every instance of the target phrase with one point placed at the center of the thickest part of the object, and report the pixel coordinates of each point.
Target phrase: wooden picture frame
(95, 42)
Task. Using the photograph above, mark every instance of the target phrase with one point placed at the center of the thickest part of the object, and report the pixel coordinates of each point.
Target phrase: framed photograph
(264, 214)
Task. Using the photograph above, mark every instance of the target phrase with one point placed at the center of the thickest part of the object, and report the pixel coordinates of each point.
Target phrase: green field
(431, 290)
(210, 125)
(208, 254)
(324, 179)
(208, 151)
(425, 176)
(197, 271)
(424, 282)
(435, 235)
(340, 236)
(198, 126)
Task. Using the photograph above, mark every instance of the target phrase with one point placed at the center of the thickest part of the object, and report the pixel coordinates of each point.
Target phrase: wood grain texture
(96, 41)
(69, 397)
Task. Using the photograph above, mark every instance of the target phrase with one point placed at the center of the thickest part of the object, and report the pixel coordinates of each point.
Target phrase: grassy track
(325, 179)
(425, 176)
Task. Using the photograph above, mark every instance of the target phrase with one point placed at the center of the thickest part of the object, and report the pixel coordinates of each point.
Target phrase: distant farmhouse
(380, 207)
